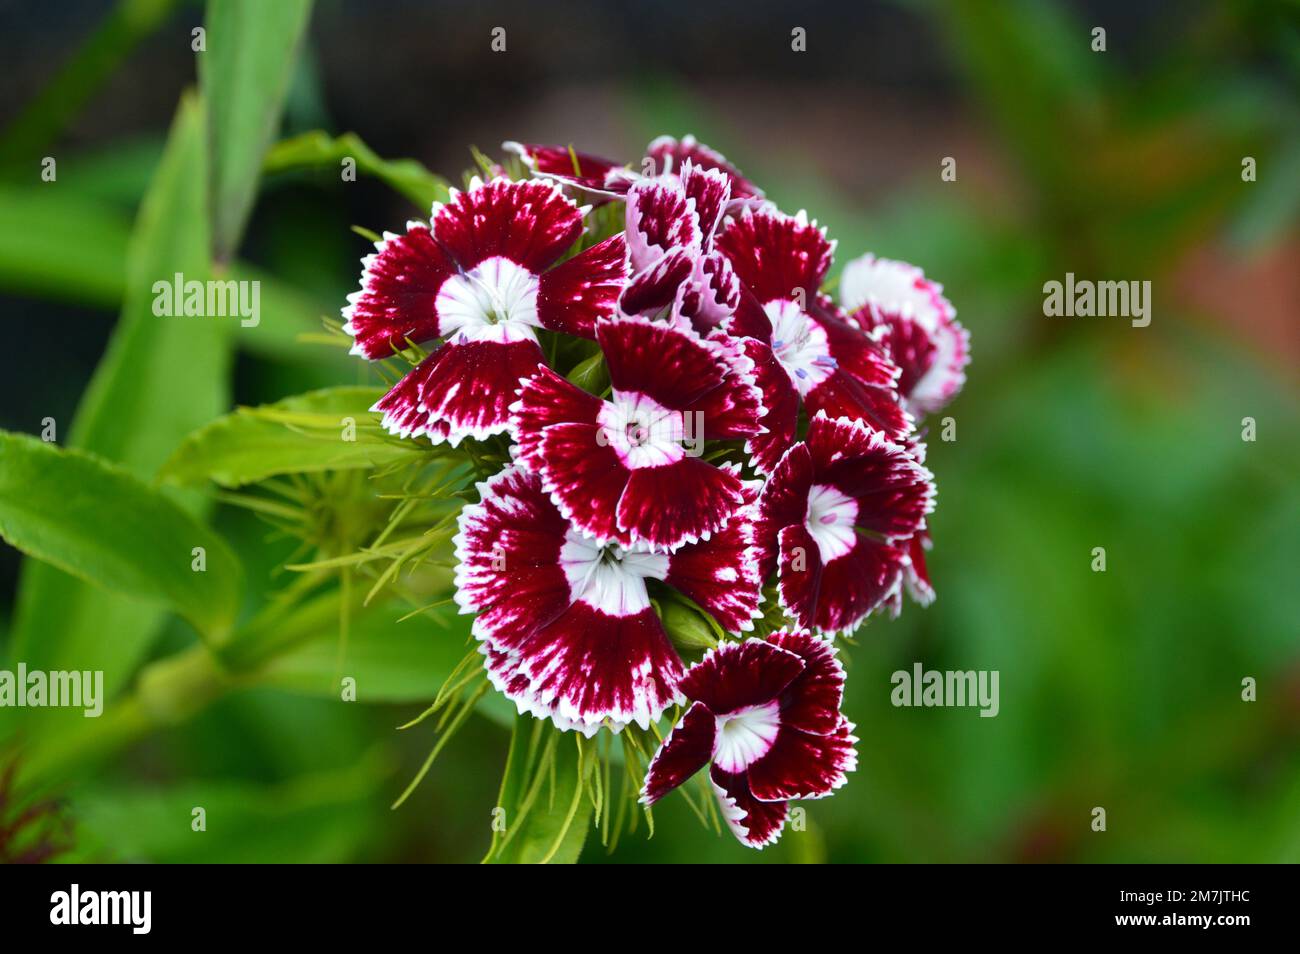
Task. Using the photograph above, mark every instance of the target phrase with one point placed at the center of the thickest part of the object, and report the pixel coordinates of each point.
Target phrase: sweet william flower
(765, 717)
(630, 470)
(916, 323)
(671, 221)
(482, 277)
(835, 521)
(566, 623)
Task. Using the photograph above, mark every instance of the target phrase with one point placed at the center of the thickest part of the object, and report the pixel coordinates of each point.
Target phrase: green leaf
(159, 380)
(323, 817)
(299, 435)
(591, 375)
(96, 521)
(244, 73)
(315, 150)
(62, 244)
(393, 660)
(546, 811)
(57, 244)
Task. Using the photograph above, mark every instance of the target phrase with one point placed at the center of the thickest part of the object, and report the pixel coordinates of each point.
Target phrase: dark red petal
(842, 395)
(589, 666)
(660, 217)
(530, 223)
(712, 293)
(777, 255)
(757, 824)
(574, 295)
(784, 502)
(733, 409)
(738, 675)
(711, 191)
(854, 352)
(670, 155)
(558, 162)
(586, 479)
(907, 342)
(803, 765)
(399, 291)
(508, 559)
(781, 403)
(917, 576)
(679, 502)
(668, 363)
(548, 399)
(837, 596)
(799, 564)
(721, 574)
(893, 491)
(749, 320)
(685, 751)
(655, 287)
(811, 703)
(463, 389)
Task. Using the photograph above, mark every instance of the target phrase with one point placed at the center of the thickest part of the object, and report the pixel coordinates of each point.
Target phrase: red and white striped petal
(570, 629)
(756, 824)
(721, 574)
(907, 343)
(778, 256)
(916, 576)
(900, 293)
(463, 389)
(577, 293)
(811, 703)
(891, 490)
(783, 503)
(508, 559)
(863, 384)
(711, 293)
(670, 155)
(547, 400)
(933, 361)
(835, 595)
(843, 396)
(591, 668)
(710, 191)
(654, 289)
(660, 217)
(583, 170)
(399, 291)
(678, 504)
(737, 676)
(685, 751)
(528, 223)
(826, 519)
(804, 764)
(708, 377)
(780, 403)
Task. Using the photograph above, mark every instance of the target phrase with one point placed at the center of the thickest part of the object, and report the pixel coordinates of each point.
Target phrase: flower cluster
(691, 421)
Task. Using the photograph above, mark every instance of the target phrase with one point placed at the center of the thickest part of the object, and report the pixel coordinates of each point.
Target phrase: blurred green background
(1119, 689)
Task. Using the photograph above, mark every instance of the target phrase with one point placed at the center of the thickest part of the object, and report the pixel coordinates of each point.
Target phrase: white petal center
(799, 344)
(495, 301)
(642, 431)
(830, 519)
(745, 736)
(609, 578)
